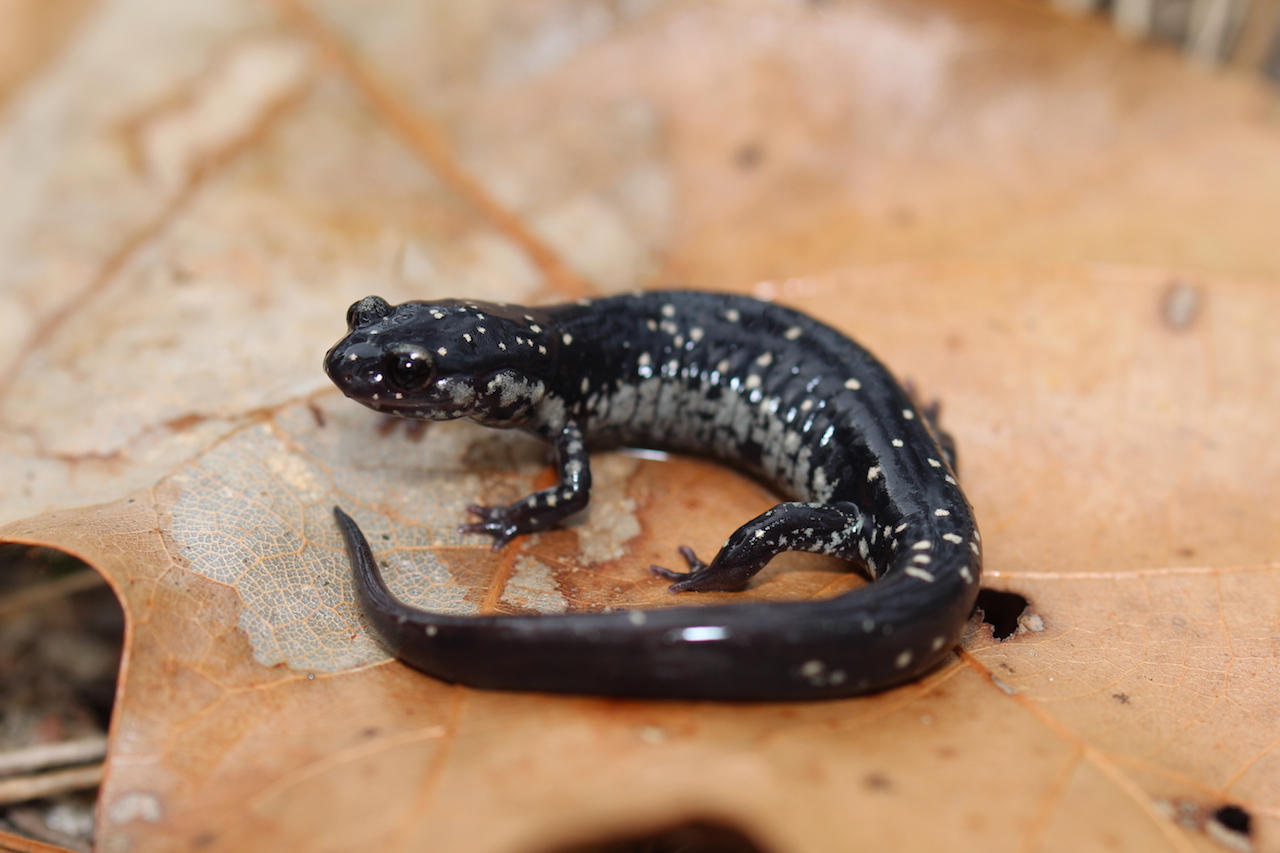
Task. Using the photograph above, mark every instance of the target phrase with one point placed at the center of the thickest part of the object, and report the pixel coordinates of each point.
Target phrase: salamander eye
(366, 311)
(410, 367)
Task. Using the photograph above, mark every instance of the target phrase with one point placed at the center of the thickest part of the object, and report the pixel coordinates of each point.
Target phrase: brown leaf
(195, 192)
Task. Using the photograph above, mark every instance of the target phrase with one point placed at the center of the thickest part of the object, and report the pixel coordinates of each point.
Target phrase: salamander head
(444, 360)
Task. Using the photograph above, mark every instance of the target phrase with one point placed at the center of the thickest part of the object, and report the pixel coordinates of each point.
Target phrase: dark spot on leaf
(1122, 698)
(695, 837)
(877, 782)
(1001, 610)
(204, 839)
(317, 414)
(748, 156)
(1235, 819)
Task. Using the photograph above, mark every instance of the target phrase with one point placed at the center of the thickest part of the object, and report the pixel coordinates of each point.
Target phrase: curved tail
(876, 637)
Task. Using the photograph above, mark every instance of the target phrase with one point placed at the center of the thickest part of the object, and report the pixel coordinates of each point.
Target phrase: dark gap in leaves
(61, 639)
(1001, 610)
(694, 837)
(1235, 819)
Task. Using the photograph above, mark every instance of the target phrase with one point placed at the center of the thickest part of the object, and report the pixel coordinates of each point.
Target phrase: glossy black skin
(760, 386)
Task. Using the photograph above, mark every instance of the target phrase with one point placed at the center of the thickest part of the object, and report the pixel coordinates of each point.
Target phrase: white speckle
(826, 436)
(950, 479)
(915, 572)
(732, 315)
(868, 625)
(966, 574)
(812, 669)
(586, 385)
(136, 805)
(872, 473)
(502, 346)
(644, 360)
(585, 303)
(765, 360)
(942, 513)
(977, 537)
(934, 462)
(567, 338)
(753, 382)
(953, 538)
(897, 442)
(651, 324)
(900, 527)
(723, 366)
(466, 336)
(903, 660)
(973, 546)
(863, 548)
(908, 414)
(535, 328)
(922, 559)
(481, 329)
(432, 630)
(668, 310)
(759, 534)
(793, 333)
(852, 384)
(806, 405)
(442, 351)
(636, 617)
(352, 357)
(938, 642)
(542, 350)
(703, 633)
(922, 545)
(695, 334)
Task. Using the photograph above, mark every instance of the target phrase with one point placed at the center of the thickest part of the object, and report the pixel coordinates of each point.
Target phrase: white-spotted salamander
(762, 387)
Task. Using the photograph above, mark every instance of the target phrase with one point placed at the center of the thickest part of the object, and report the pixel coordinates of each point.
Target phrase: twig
(46, 755)
(19, 789)
(37, 594)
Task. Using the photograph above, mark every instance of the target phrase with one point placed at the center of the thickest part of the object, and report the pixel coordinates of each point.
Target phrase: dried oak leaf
(194, 192)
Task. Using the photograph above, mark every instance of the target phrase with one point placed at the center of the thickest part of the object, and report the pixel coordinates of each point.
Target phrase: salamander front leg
(545, 508)
(832, 529)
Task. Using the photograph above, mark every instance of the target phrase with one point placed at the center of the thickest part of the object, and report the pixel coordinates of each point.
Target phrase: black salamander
(762, 387)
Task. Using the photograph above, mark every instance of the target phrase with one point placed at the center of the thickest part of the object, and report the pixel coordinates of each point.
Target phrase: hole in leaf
(61, 638)
(1235, 819)
(694, 837)
(1001, 611)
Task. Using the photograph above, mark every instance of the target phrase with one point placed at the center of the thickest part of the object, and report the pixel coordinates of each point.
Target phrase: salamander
(761, 387)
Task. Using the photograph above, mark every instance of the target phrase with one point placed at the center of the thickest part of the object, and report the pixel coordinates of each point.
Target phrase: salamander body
(759, 386)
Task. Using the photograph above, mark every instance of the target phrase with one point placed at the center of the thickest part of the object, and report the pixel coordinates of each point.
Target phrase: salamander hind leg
(832, 529)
